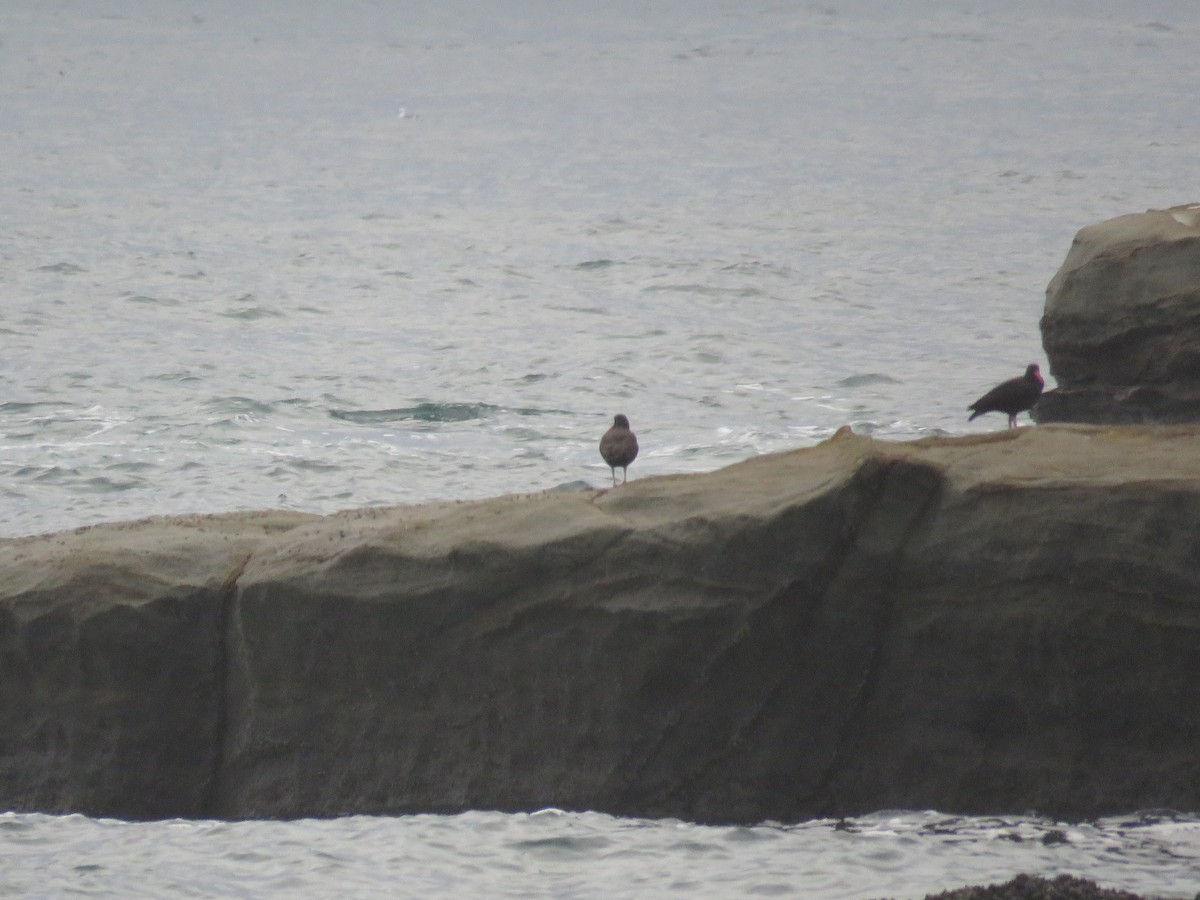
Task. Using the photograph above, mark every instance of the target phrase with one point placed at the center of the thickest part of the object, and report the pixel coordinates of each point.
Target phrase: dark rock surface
(1032, 887)
(996, 623)
(1121, 326)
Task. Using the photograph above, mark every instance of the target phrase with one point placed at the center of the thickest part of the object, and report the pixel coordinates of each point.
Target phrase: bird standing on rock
(619, 447)
(1014, 396)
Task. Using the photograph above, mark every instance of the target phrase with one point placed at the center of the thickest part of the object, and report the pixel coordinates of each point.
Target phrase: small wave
(151, 301)
(970, 37)
(63, 268)
(866, 379)
(591, 264)
(18, 406)
(131, 466)
(247, 308)
(304, 465)
(704, 290)
(239, 405)
(434, 412)
(758, 268)
(253, 313)
(563, 844)
(52, 474)
(585, 310)
(422, 412)
(104, 485)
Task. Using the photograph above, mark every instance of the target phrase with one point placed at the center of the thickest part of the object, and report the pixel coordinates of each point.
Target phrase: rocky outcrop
(112, 663)
(1034, 887)
(994, 623)
(1122, 322)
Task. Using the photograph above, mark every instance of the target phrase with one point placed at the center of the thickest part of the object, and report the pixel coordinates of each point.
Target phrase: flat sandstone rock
(995, 623)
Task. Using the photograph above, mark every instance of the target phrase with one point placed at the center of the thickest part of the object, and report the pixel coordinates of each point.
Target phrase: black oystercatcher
(619, 447)
(1014, 396)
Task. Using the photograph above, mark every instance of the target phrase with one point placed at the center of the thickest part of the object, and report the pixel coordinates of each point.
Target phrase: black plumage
(619, 447)
(1017, 395)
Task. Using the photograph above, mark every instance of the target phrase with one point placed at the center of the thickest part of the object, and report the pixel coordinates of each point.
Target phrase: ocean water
(322, 256)
(552, 854)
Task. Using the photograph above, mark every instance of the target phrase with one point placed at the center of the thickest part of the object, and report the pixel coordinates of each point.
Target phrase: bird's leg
(1012, 421)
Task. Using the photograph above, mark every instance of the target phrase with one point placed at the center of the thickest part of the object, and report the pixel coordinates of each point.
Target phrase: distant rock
(1033, 887)
(987, 624)
(1121, 326)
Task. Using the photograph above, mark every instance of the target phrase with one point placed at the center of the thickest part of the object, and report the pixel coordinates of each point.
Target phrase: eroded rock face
(986, 624)
(112, 663)
(1121, 326)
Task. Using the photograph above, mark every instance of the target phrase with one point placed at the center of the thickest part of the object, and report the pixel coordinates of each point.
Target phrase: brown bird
(1014, 396)
(619, 447)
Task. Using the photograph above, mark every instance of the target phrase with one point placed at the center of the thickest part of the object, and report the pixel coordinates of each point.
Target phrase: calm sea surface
(327, 255)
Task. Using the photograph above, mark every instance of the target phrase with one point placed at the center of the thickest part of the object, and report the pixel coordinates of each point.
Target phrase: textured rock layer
(1122, 322)
(985, 624)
